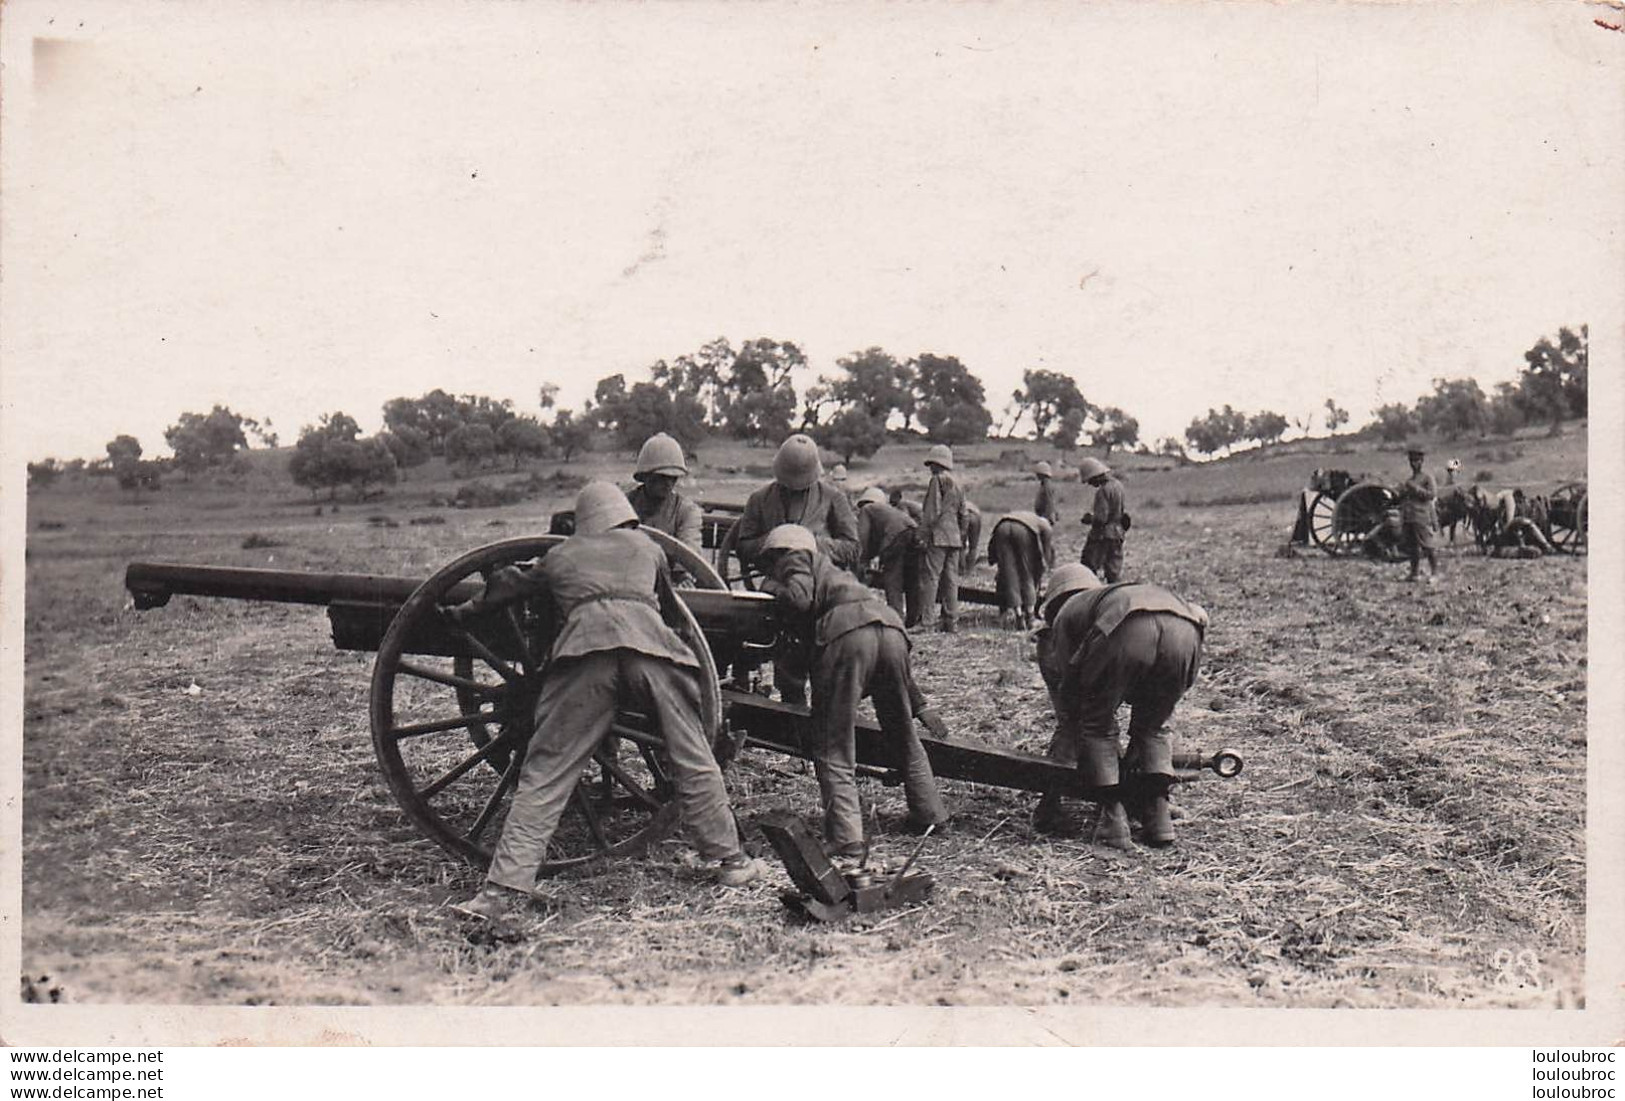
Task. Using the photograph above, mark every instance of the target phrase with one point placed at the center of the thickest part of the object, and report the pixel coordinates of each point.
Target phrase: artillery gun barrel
(153, 583)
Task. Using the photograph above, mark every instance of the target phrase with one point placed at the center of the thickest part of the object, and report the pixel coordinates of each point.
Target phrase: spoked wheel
(731, 566)
(454, 706)
(1359, 509)
(1322, 511)
(1569, 515)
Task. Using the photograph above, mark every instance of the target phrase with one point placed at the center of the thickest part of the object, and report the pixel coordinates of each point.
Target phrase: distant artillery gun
(1568, 517)
(1340, 511)
(453, 704)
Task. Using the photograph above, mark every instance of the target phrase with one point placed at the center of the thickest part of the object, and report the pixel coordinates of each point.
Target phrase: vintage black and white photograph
(1060, 506)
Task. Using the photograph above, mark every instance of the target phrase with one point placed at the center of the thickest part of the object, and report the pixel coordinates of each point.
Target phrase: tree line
(748, 393)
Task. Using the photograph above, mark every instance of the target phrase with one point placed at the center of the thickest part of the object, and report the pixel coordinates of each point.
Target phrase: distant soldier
(942, 538)
(896, 499)
(1386, 539)
(1020, 550)
(1044, 502)
(971, 536)
(886, 537)
(1102, 646)
(1521, 538)
(840, 479)
(1107, 520)
(798, 495)
(854, 646)
(1416, 495)
(611, 649)
(661, 464)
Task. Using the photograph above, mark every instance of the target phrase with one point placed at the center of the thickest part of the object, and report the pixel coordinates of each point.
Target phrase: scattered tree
(409, 446)
(200, 441)
(1117, 429)
(948, 400)
(1555, 376)
(1067, 430)
(1266, 427)
(758, 400)
(124, 457)
(43, 473)
(1218, 430)
(875, 383)
(1048, 396)
(1455, 408)
(571, 434)
(1336, 416)
(328, 455)
(1394, 422)
(852, 432)
(522, 439)
(471, 445)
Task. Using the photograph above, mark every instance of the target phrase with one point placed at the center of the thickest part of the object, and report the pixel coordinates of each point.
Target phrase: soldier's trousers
(1419, 540)
(873, 661)
(892, 572)
(576, 708)
(1019, 563)
(939, 578)
(1148, 662)
(1105, 558)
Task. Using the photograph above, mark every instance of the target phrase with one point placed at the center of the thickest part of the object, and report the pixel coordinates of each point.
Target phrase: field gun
(452, 703)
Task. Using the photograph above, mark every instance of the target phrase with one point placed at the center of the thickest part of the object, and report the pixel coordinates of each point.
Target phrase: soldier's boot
(1112, 828)
(1157, 818)
(1050, 816)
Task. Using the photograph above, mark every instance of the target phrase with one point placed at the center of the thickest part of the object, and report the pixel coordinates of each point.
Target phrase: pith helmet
(837, 474)
(661, 454)
(796, 466)
(874, 495)
(1074, 577)
(789, 537)
(1415, 448)
(942, 455)
(1044, 470)
(1091, 467)
(601, 506)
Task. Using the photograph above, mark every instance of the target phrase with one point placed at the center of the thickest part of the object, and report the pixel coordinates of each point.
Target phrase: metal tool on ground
(825, 892)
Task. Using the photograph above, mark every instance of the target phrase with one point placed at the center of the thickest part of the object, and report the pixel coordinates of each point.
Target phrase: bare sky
(294, 209)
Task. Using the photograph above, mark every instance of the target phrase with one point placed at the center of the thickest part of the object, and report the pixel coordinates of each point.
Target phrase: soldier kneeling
(1101, 646)
(855, 646)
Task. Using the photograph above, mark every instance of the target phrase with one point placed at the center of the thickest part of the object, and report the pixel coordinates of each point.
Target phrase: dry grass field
(204, 821)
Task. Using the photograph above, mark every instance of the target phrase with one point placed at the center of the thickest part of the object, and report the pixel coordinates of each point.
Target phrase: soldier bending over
(855, 646)
(1102, 646)
(612, 649)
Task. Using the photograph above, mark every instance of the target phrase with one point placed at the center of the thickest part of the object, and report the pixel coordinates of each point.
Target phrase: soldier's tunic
(821, 508)
(1020, 549)
(1045, 502)
(886, 537)
(1135, 643)
(677, 516)
(1103, 547)
(612, 649)
(855, 646)
(942, 537)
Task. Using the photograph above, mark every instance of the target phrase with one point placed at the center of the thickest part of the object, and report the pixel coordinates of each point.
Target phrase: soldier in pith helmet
(611, 649)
